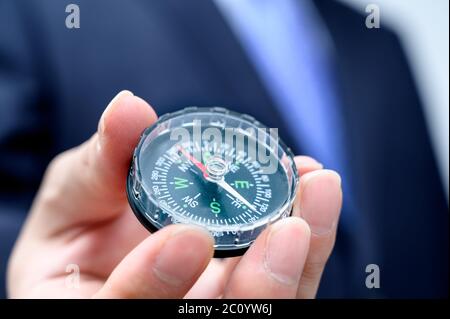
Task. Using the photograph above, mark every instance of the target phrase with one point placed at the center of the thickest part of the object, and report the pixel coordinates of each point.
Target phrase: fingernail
(286, 249)
(307, 161)
(319, 204)
(183, 256)
(101, 125)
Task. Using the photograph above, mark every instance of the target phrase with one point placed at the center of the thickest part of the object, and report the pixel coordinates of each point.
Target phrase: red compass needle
(193, 160)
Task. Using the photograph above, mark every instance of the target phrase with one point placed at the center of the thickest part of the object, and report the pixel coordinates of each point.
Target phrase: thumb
(87, 183)
(165, 265)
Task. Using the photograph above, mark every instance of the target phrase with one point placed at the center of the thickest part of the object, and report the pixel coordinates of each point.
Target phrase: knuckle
(313, 270)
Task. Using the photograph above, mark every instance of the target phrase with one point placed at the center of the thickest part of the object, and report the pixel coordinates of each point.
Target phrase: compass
(214, 168)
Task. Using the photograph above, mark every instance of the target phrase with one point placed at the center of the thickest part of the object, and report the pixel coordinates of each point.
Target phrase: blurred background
(423, 30)
(371, 103)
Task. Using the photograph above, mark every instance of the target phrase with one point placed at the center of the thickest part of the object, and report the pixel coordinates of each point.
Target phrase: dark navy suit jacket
(55, 83)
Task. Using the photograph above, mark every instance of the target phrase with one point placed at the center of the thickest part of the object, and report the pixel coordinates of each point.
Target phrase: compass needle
(235, 194)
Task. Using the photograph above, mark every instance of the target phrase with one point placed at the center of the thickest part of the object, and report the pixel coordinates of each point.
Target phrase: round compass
(211, 167)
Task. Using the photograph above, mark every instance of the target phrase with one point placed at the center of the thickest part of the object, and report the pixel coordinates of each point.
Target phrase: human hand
(81, 216)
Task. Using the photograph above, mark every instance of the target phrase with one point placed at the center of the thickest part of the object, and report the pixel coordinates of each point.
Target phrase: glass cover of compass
(214, 168)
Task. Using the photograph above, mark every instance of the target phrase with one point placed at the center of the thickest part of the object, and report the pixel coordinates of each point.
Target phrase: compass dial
(220, 184)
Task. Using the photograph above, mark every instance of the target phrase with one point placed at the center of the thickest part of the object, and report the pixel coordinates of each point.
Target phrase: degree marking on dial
(261, 198)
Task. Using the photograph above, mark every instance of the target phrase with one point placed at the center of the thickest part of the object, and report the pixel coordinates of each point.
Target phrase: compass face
(180, 186)
(221, 185)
